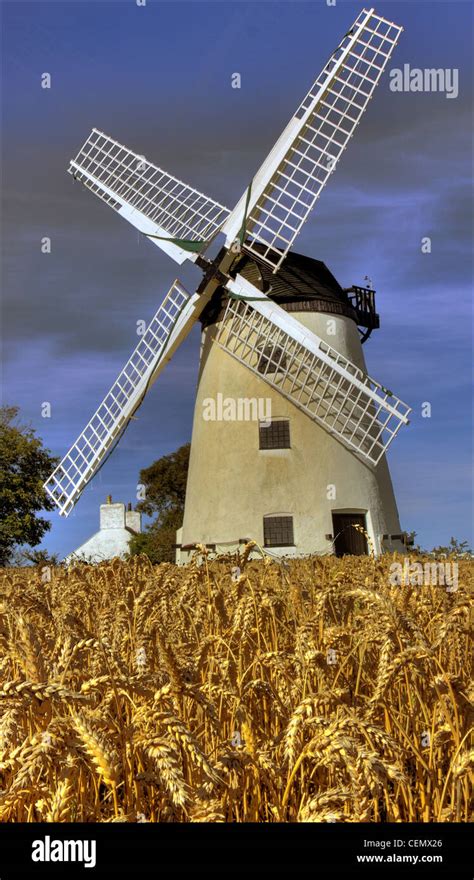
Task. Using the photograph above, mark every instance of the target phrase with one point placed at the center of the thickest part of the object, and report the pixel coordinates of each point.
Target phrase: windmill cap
(301, 284)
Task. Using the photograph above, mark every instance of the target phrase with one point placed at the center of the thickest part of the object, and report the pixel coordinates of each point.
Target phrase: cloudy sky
(158, 78)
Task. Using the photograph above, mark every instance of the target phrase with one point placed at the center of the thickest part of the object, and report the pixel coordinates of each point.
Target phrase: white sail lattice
(328, 387)
(291, 179)
(171, 324)
(152, 200)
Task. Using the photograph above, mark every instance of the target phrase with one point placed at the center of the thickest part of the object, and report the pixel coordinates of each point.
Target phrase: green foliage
(410, 538)
(165, 492)
(157, 542)
(39, 557)
(165, 482)
(24, 466)
(454, 548)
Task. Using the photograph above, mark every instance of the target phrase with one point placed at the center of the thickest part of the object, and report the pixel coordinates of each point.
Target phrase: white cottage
(117, 526)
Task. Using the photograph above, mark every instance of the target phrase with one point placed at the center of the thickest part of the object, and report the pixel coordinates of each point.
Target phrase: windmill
(274, 323)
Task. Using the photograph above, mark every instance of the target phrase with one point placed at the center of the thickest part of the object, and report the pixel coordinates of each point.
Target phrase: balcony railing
(362, 300)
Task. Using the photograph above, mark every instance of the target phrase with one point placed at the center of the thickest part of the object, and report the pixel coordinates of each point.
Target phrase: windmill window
(275, 435)
(272, 359)
(278, 531)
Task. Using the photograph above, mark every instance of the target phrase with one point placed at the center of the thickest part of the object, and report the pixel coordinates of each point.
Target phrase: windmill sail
(171, 324)
(285, 189)
(255, 331)
(328, 387)
(177, 218)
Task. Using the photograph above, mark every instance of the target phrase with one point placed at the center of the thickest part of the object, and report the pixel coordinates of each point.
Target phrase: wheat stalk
(131, 692)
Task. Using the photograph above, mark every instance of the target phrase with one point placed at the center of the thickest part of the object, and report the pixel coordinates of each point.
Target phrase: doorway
(349, 541)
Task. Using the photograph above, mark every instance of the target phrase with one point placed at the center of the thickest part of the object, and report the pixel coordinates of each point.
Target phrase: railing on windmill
(362, 300)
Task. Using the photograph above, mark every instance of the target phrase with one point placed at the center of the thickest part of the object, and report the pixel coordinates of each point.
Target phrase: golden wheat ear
(262, 699)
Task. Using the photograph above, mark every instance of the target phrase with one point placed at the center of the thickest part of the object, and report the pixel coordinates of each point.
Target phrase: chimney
(112, 516)
(133, 519)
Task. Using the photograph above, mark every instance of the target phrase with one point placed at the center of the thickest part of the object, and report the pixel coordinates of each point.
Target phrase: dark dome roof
(300, 285)
(298, 278)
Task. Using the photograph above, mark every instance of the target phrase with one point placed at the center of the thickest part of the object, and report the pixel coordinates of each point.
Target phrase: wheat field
(309, 691)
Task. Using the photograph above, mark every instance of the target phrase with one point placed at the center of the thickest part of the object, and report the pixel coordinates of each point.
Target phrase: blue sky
(158, 78)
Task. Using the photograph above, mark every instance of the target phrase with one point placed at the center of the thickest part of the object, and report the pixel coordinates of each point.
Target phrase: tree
(39, 557)
(24, 465)
(454, 548)
(165, 491)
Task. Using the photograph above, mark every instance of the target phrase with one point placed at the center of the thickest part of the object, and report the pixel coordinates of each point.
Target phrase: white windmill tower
(299, 482)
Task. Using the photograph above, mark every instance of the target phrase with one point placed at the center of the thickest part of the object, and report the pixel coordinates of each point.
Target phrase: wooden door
(349, 541)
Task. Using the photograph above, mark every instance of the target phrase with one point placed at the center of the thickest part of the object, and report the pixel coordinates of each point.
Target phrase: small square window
(275, 435)
(278, 531)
